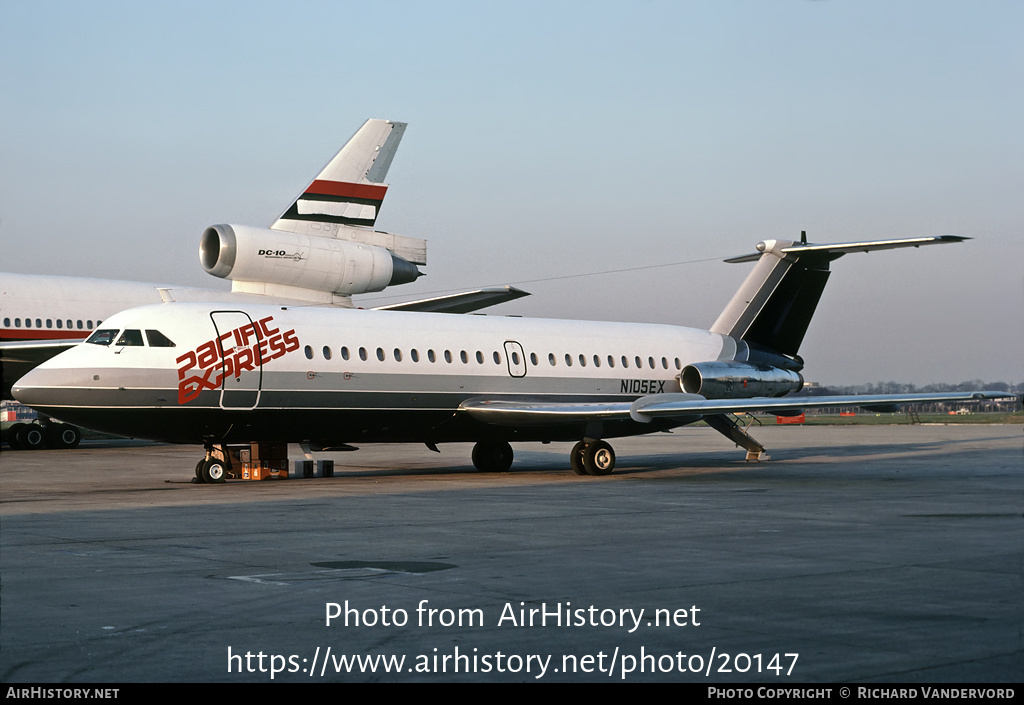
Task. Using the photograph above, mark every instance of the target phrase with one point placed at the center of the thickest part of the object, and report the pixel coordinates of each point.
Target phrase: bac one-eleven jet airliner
(323, 378)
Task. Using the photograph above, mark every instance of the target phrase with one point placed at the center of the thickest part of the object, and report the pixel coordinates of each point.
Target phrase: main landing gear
(592, 458)
(587, 457)
(492, 456)
(34, 436)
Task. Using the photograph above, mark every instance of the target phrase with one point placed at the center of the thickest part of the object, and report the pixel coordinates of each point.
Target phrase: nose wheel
(210, 469)
(593, 458)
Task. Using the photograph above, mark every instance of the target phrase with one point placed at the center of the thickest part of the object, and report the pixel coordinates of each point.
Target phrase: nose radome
(44, 385)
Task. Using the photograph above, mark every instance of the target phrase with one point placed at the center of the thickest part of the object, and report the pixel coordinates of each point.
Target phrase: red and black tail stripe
(338, 192)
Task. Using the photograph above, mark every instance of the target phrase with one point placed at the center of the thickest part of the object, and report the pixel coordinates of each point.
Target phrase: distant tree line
(902, 388)
(975, 385)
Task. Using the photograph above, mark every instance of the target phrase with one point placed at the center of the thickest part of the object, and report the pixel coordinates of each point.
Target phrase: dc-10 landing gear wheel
(31, 437)
(62, 435)
(199, 471)
(214, 471)
(492, 456)
(599, 458)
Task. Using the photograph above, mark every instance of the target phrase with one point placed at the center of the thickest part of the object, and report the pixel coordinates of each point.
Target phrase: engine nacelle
(298, 261)
(738, 380)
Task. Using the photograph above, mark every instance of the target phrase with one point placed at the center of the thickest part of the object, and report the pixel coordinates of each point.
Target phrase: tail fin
(775, 303)
(350, 189)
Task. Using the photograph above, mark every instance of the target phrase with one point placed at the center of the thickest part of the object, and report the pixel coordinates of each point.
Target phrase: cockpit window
(130, 337)
(103, 337)
(158, 339)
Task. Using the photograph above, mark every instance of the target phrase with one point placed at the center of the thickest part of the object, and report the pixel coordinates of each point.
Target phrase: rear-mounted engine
(254, 258)
(738, 380)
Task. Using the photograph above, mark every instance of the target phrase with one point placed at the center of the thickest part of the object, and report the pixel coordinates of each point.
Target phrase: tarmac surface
(873, 553)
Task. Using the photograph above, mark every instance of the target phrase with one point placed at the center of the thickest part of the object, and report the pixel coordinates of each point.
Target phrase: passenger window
(568, 360)
(464, 356)
(597, 361)
(309, 352)
(39, 323)
(611, 361)
(583, 360)
(551, 359)
(130, 338)
(49, 323)
(625, 361)
(90, 324)
(415, 355)
(327, 352)
(362, 354)
(102, 337)
(60, 323)
(398, 355)
(447, 355)
(7, 323)
(156, 339)
(533, 359)
(431, 356)
(79, 322)
(28, 322)
(380, 354)
(479, 357)
(344, 353)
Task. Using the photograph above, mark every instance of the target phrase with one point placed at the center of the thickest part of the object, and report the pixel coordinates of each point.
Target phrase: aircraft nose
(43, 386)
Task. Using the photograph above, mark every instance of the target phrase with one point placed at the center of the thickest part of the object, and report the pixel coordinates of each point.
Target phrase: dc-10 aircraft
(325, 378)
(321, 250)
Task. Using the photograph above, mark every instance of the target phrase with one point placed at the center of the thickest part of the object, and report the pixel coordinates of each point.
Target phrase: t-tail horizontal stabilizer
(774, 305)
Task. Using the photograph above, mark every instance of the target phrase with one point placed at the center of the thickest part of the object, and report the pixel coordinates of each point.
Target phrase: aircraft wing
(522, 411)
(464, 302)
(34, 351)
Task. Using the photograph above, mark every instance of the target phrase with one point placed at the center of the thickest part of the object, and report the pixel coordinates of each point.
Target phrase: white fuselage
(341, 375)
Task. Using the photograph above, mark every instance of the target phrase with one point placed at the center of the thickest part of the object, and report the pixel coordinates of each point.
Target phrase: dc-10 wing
(463, 302)
(35, 351)
(525, 412)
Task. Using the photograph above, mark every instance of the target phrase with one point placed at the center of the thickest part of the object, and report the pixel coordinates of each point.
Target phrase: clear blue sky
(552, 138)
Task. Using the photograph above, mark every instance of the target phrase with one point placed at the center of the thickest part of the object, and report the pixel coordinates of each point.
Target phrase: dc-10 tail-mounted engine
(300, 265)
(738, 380)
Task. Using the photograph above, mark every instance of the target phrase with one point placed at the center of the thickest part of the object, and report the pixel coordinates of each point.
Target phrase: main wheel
(214, 471)
(199, 471)
(492, 456)
(576, 458)
(599, 458)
